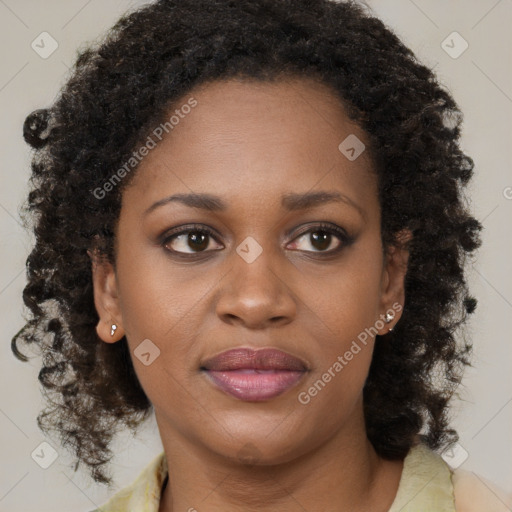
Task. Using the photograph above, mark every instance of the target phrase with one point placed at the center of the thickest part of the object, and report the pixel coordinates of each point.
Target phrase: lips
(254, 376)
(248, 359)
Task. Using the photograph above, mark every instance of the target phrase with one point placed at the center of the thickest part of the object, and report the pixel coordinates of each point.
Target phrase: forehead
(245, 135)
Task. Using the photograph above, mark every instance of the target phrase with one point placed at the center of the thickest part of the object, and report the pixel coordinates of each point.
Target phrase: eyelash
(332, 229)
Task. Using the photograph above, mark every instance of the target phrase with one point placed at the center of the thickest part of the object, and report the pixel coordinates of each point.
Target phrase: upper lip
(247, 358)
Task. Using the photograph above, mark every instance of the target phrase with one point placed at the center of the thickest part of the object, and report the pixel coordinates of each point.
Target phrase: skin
(250, 143)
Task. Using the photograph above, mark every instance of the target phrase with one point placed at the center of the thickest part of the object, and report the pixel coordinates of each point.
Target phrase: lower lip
(252, 386)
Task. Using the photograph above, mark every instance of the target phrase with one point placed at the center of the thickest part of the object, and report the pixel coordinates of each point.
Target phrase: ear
(393, 280)
(106, 298)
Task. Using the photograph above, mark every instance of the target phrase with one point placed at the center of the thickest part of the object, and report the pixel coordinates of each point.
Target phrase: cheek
(161, 316)
(344, 347)
(346, 298)
(168, 309)
(156, 299)
(343, 315)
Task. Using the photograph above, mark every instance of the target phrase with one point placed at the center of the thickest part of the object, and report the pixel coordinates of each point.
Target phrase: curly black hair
(122, 87)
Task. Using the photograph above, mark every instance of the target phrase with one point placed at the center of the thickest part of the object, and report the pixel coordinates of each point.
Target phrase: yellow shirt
(427, 484)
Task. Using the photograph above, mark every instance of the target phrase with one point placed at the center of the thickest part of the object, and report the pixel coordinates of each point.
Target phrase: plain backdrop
(480, 78)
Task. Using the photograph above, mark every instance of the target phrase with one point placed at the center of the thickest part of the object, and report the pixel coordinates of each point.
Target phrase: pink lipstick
(254, 375)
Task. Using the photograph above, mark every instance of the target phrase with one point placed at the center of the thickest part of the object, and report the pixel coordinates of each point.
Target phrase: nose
(257, 294)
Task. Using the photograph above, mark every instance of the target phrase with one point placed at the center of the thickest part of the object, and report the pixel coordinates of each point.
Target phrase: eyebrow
(290, 201)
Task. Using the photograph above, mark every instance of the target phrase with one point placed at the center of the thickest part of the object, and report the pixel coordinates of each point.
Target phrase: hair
(122, 87)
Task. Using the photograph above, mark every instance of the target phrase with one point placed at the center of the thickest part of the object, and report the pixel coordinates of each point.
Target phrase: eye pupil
(322, 239)
(193, 238)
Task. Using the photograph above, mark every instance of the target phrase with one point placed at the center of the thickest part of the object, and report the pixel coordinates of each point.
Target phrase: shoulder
(429, 483)
(475, 494)
(425, 483)
(143, 493)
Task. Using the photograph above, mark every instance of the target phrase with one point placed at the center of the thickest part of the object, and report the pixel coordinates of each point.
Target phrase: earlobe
(109, 331)
(106, 299)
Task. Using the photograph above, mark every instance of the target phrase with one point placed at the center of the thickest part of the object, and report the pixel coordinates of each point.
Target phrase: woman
(251, 221)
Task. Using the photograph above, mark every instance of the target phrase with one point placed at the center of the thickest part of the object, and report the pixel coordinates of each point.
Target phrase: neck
(343, 473)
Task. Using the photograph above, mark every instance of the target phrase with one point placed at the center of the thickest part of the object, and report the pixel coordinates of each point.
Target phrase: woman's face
(269, 276)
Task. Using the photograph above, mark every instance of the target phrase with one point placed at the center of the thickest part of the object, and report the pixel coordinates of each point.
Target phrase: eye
(322, 237)
(196, 238)
(192, 240)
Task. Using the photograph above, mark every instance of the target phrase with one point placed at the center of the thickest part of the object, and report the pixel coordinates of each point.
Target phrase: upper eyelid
(204, 227)
(187, 229)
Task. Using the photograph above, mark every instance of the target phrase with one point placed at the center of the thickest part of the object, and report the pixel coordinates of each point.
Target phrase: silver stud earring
(113, 329)
(389, 317)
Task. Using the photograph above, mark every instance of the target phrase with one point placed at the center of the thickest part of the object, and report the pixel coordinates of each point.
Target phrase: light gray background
(481, 81)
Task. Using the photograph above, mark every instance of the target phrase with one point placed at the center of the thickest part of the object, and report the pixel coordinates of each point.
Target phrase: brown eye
(324, 239)
(189, 241)
(321, 241)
